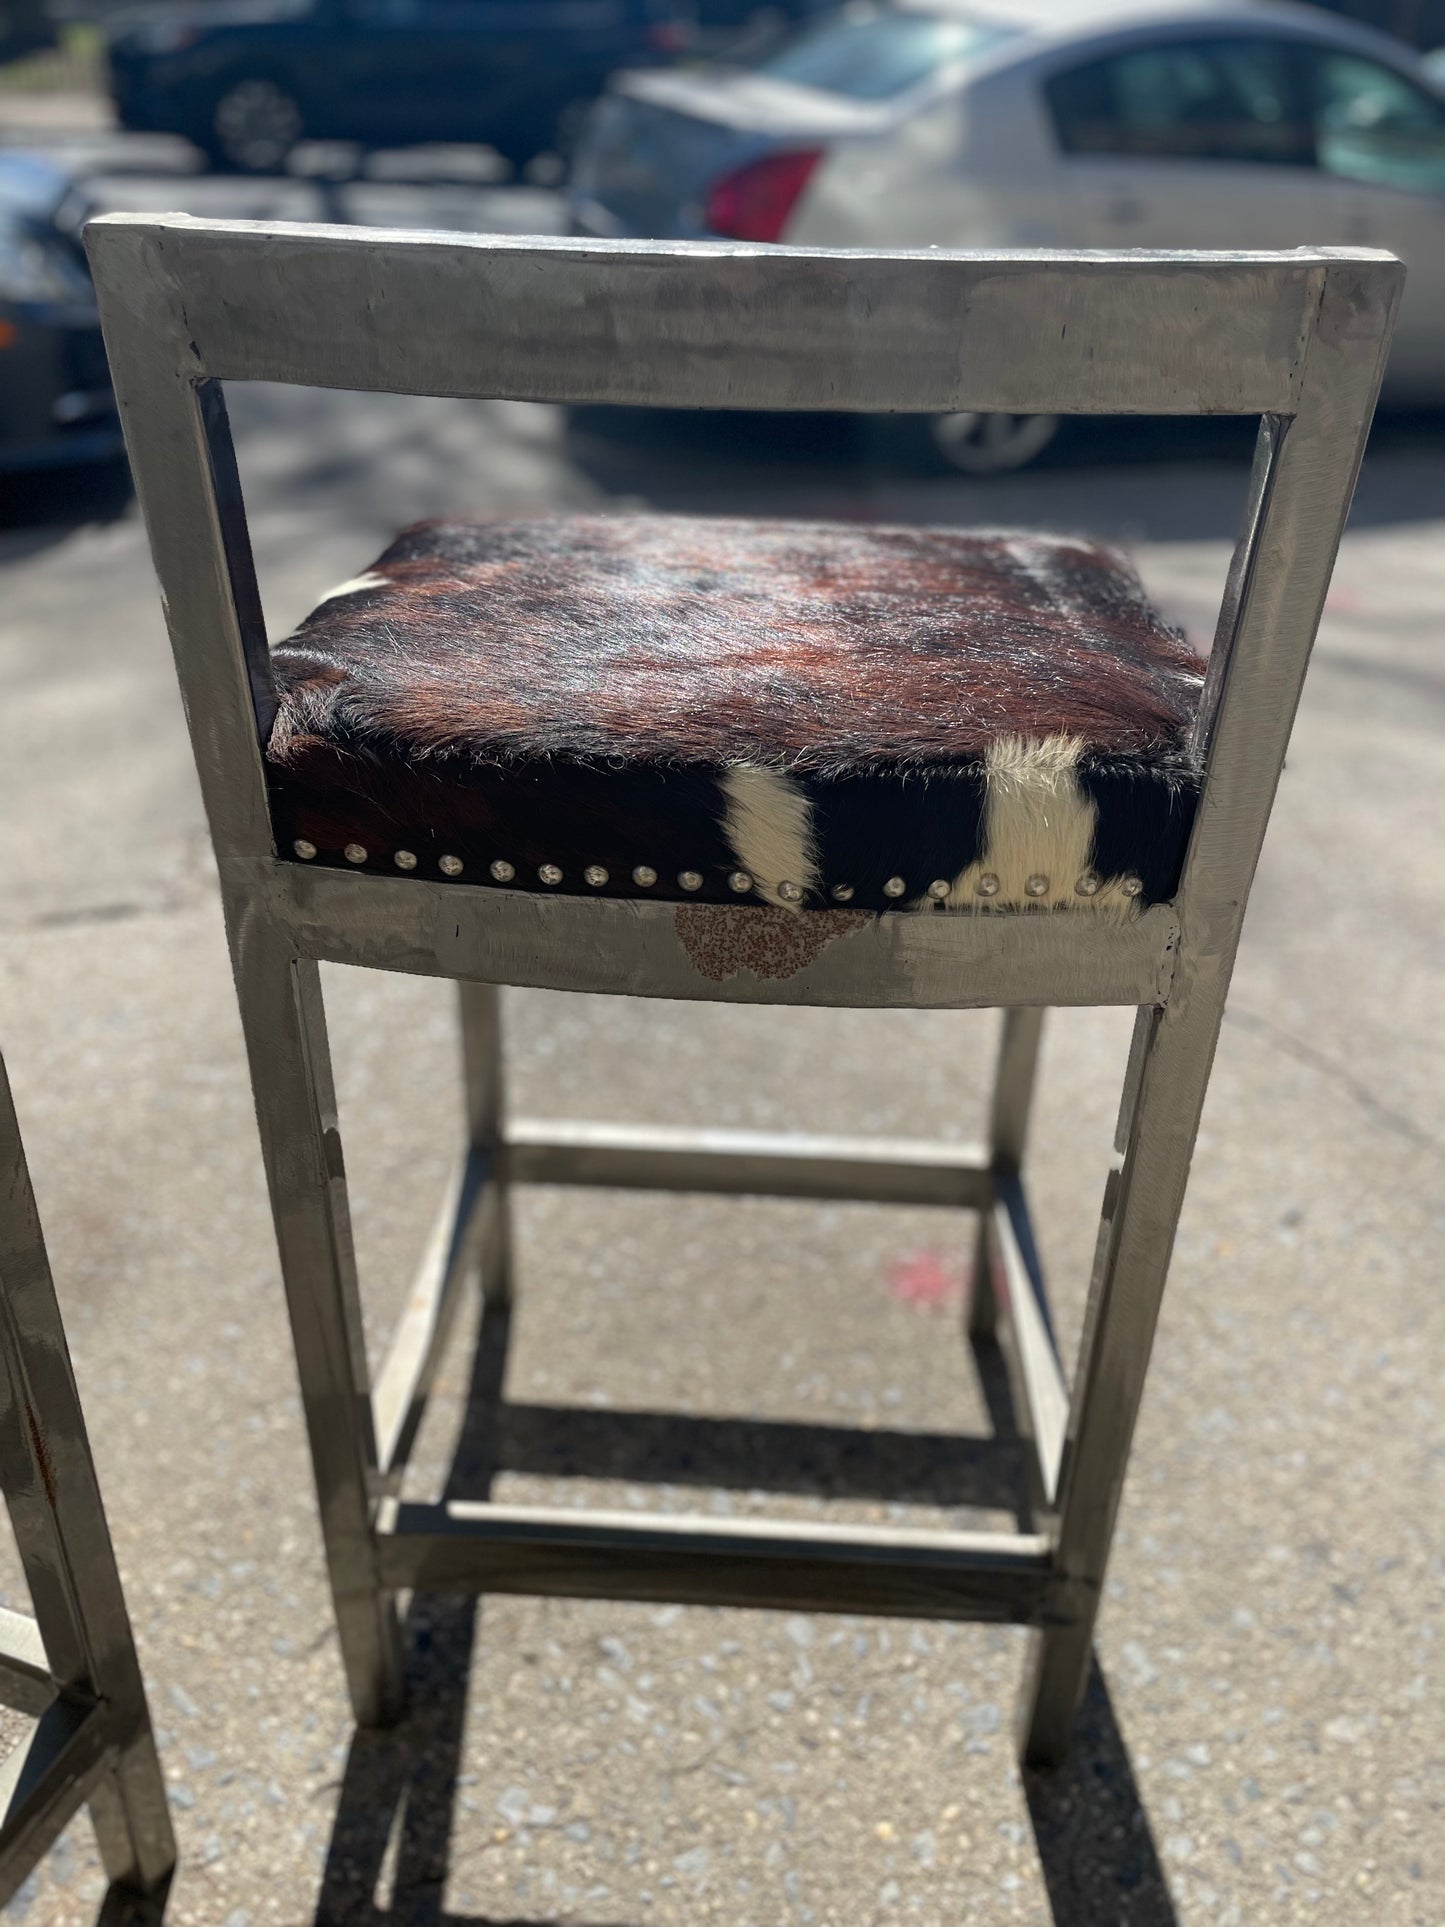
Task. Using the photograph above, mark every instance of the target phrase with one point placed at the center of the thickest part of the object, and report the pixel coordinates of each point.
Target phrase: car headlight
(34, 270)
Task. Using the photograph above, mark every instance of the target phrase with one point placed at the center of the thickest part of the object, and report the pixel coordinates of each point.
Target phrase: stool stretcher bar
(649, 1157)
(25, 1678)
(46, 1780)
(794, 1567)
(899, 1171)
(1036, 1376)
(405, 1379)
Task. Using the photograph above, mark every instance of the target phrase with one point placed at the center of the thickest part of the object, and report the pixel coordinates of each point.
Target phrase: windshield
(871, 54)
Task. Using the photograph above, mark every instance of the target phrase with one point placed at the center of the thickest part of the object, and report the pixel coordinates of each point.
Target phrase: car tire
(254, 124)
(980, 444)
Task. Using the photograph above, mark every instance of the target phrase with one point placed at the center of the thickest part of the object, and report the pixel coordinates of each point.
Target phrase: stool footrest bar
(25, 1678)
(410, 1364)
(761, 1163)
(45, 1780)
(1041, 1395)
(798, 1567)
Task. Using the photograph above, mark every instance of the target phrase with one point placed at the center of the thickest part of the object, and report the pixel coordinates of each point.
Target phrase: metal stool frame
(74, 1664)
(1297, 339)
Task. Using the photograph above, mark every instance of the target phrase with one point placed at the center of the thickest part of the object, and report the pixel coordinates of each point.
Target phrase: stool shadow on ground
(394, 1820)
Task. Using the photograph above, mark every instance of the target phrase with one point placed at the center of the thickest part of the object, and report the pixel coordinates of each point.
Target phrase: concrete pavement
(1265, 1742)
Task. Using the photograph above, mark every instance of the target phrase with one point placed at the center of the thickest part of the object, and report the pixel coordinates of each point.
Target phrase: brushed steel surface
(94, 1738)
(797, 1567)
(774, 1164)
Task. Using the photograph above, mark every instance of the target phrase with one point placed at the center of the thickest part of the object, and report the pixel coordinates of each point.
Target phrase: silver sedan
(1045, 123)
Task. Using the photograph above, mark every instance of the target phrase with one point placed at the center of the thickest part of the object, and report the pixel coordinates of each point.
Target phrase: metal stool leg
(75, 1663)
(1163, 1097)
(285, 1026)
(131, 1820)
(1013, 1094)
(482, 1072)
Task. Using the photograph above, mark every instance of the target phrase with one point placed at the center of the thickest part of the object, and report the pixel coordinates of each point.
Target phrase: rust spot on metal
(724, 940)
(41, 1450)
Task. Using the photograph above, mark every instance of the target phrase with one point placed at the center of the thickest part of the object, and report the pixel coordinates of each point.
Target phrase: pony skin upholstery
(815, 705)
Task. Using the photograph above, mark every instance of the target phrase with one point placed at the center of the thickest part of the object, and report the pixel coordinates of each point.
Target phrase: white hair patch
(356, 585)
(1038, 828)
(769, 823)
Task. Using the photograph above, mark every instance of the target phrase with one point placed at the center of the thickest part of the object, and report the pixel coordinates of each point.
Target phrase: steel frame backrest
(1299, 339)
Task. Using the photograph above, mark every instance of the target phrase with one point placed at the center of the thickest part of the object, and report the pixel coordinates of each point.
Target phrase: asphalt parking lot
(1264, 1742)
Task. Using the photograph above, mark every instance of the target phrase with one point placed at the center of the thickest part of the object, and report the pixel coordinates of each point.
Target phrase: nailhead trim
(1088, 884)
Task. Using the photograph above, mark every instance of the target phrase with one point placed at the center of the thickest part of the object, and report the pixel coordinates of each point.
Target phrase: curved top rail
(726, 324)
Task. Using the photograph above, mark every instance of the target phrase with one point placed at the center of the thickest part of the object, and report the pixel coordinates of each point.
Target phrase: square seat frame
(73, 1665)
(1297, 339)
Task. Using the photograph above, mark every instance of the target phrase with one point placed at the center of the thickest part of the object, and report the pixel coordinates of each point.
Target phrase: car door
(1380, 137)
(398, 69)
(1197, 141)
(451, 70)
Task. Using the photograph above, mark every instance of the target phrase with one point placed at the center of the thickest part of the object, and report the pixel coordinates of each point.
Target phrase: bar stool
(749, 762)
(74, 1664)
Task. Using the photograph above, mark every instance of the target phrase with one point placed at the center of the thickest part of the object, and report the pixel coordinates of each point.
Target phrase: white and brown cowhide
(819, 706)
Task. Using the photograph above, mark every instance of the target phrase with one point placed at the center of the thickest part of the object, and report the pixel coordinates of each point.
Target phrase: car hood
(752, 103)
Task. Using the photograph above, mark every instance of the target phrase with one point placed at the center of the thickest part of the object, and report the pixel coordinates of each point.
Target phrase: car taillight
(754, 203)
(670, 36)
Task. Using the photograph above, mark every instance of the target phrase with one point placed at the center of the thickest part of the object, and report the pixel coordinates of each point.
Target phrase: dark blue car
(56, 405)
(247, 79)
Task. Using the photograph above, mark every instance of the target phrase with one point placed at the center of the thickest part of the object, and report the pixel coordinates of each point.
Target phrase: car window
(1372, 124)
(866, 54)
(1216, 99)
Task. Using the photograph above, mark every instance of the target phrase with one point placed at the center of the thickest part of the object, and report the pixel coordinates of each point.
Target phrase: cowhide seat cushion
(724, 711)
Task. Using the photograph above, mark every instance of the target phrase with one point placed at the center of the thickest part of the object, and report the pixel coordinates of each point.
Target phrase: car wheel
(978, 444)
(254, 125)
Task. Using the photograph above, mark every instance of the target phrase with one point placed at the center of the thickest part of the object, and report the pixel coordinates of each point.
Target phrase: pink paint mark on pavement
(926, 1280)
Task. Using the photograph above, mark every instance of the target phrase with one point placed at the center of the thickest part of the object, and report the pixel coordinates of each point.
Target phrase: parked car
(25, 28)
(247, 79)
(722, 26)
(56, 404)
(1024, 123)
